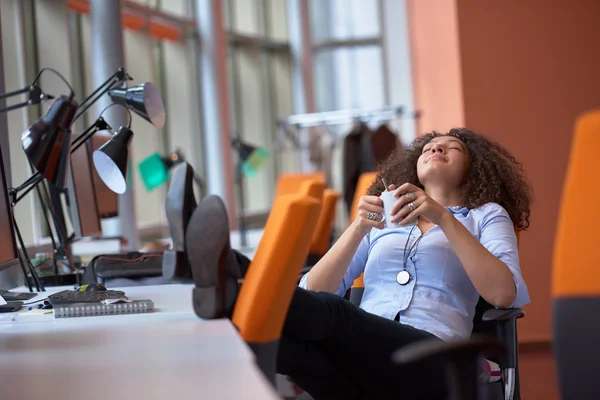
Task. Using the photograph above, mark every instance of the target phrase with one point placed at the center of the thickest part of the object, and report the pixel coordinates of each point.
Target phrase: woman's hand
(370, 210)
(414, 202)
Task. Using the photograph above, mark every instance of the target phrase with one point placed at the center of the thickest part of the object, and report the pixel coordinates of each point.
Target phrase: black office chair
(495, 336)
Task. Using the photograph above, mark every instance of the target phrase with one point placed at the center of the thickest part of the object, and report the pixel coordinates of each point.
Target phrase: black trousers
(335, 350)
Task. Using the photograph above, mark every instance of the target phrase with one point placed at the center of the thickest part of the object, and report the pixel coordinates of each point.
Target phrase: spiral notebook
(74, 310)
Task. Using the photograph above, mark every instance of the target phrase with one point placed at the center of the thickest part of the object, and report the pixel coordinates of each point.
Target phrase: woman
(468, 194)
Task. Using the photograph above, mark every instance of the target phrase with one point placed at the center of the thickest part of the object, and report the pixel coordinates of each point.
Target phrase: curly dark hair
(494, 174)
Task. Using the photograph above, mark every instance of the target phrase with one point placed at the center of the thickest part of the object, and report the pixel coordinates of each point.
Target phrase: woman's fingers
(408, 212)
(371, 204)
(375, 200)
(404, 200)
(363, 217)
(406, 188)
(372, 208)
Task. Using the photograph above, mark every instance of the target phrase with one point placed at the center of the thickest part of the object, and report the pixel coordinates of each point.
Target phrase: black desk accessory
(11, 306)
(16, 296)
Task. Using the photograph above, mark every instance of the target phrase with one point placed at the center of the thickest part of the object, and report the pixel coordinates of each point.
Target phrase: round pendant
(403, 277)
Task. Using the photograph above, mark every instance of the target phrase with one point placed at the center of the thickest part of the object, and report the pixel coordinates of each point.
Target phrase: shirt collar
(458, 210)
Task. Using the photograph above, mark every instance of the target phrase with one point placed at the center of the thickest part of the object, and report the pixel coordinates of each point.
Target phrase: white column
(397, 56)
(215, 103)
(107, 57)
(302, 70)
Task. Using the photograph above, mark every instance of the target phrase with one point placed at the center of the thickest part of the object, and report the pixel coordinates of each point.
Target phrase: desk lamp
(111, 160)
(250, 160)
(143, 99)
(154, 169)
(47, 144)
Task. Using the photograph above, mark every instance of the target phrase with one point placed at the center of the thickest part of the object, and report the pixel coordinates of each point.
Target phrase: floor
(538, 373)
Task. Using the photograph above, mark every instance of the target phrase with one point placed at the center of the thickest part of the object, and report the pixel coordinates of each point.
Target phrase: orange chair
(270, 282)
(317, 188)
(289, 183)
(575, 275)
(311, 187)
(322, 237)
(364, 182)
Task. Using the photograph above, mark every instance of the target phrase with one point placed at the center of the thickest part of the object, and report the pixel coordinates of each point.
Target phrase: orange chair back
(322, 236)
(290, 183)
(269, 284)
(576, 261)
(575, 273)
(313, 188)
(364, 182)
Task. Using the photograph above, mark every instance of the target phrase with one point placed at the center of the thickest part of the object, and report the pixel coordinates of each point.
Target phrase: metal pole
(107, 57)
(215, 103)
(302, 69)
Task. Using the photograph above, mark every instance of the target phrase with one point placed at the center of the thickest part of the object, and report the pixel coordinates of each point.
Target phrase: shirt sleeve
(498, 236)
(356, 267)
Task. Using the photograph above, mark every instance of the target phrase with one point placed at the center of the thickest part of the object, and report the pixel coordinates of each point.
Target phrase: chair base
(266, 358)
(491, 391)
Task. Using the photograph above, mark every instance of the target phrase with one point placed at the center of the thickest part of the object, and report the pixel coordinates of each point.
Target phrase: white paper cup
(388, 202)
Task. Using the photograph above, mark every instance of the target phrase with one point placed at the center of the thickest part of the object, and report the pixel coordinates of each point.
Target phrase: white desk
(168, 354)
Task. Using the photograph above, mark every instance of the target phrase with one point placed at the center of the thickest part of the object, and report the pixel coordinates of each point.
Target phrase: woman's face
(445, 160)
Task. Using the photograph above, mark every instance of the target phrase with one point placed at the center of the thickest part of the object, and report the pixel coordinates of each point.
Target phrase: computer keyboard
(74, 296)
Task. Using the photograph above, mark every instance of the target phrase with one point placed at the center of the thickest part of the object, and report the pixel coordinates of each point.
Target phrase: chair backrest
(289, 183)
(322, 237)
(364, 182)
(311, 187)
(269, 284)
(575, 275)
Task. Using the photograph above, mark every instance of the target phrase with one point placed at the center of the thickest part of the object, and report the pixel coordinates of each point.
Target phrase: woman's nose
(437, 149)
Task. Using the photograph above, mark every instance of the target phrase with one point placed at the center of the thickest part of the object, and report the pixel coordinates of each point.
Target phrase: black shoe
(212, 261)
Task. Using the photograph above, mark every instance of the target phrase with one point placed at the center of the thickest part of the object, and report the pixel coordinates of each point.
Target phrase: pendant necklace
(403, 277)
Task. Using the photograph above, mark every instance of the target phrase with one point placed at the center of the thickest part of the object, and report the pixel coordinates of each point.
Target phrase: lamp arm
(15, 93)
(35, 97)
(28, 186)
(117, 78)
(120, 105)
(35, 93)
(99, 125)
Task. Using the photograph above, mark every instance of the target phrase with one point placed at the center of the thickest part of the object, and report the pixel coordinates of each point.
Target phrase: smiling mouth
(434, 158)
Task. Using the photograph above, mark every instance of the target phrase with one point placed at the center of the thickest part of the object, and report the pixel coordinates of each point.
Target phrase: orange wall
(528, 68)
(436, 64)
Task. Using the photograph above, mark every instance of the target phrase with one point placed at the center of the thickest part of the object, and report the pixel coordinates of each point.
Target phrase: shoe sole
(207, 248)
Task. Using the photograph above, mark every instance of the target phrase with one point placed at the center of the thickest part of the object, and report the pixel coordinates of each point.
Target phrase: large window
(260, 87)
(347, 43)
(57, 34)
(358, 50)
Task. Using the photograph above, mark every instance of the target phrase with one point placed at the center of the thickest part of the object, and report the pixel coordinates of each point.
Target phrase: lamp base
(64, 279)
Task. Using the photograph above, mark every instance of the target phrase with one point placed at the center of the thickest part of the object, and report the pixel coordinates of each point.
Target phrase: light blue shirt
(439, 298)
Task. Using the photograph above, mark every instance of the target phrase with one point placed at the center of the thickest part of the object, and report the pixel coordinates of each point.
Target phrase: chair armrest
(438, 350)
(504, 314)
(461, 358)
(506, 332)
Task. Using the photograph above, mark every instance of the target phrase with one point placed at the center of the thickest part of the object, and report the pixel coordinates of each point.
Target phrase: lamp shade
(47, 142)
(143, 99)
(110, 160)
(154, 170)
(252, 158)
